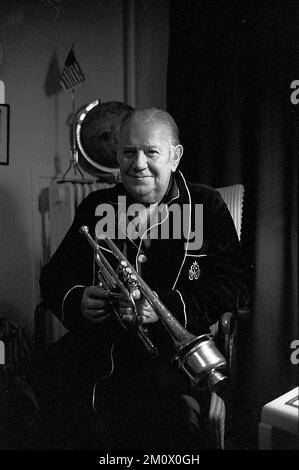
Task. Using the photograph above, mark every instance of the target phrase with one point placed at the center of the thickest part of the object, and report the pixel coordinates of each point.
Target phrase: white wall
(35, 38)
(33, 34)
(152, 31)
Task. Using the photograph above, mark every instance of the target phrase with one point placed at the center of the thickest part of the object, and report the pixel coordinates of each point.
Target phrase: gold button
(142, 258)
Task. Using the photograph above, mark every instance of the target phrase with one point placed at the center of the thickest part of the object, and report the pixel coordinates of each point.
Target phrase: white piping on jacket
(189, 230)
(64, 299)
(184, 307)
(196, 256)
(155, 225)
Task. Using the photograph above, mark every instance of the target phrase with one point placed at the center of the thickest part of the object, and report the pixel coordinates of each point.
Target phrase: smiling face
(147, 159)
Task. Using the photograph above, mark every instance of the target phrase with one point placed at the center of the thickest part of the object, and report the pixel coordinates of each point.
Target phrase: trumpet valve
(129, 278)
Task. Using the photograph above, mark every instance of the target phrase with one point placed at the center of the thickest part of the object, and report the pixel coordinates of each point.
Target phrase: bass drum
(97, 133)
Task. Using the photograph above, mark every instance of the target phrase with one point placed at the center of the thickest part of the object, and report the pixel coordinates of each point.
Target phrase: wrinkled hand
(144, 310)
(94, 304)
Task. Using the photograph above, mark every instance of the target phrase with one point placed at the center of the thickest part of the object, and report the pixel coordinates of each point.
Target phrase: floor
(20, 427)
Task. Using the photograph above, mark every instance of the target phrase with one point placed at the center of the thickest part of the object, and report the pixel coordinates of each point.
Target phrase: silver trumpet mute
(202, 361)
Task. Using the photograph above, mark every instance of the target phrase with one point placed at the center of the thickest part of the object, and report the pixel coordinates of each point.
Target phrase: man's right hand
(94, 304)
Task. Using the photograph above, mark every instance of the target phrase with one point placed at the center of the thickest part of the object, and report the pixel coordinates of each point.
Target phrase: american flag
(71, 74)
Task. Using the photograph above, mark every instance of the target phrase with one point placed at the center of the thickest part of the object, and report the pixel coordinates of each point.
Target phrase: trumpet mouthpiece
(84, 229)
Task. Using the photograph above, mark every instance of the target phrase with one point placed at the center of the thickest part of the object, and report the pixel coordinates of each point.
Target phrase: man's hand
(144, 310)
(94, 304)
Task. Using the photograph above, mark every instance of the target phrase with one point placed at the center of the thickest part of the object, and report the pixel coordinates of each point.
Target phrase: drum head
(97, 132)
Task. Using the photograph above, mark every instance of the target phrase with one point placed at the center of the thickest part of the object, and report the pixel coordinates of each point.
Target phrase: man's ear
(178, 151)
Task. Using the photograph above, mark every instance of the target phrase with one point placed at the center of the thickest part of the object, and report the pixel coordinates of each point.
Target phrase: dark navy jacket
(220, 283)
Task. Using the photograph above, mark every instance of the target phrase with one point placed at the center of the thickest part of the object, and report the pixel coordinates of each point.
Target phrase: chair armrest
(40, 327)
(226, 332)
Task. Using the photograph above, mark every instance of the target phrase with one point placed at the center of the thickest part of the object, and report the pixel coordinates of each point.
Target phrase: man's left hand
(144, 310)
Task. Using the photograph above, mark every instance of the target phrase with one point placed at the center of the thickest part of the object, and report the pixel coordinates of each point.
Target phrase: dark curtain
(230, 67)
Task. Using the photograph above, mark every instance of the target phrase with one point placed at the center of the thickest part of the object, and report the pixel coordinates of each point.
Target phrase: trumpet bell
(201, 361)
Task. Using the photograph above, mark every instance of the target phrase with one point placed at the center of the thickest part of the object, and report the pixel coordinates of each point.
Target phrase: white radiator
(64, 198)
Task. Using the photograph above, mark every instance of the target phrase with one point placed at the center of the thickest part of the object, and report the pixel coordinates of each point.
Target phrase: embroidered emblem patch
(194, 271)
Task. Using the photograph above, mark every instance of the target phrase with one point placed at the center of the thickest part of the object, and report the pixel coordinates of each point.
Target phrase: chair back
(233, 196)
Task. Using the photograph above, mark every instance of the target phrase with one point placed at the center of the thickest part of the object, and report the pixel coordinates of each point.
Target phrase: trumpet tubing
(179, 334)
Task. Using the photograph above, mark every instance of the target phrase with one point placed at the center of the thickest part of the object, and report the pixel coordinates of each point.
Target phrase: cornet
(196, 356)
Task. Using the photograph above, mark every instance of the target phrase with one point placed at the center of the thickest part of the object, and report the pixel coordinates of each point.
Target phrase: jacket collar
(172, 194)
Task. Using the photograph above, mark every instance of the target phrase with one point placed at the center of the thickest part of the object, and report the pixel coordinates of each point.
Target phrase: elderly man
(181, 240)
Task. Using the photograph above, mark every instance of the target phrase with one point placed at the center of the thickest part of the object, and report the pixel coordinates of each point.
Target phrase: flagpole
(71, 75)
(74, 155)
(73, 127)
(73, 151)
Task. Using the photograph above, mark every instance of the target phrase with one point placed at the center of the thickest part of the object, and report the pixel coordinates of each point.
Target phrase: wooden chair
(224, 331)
